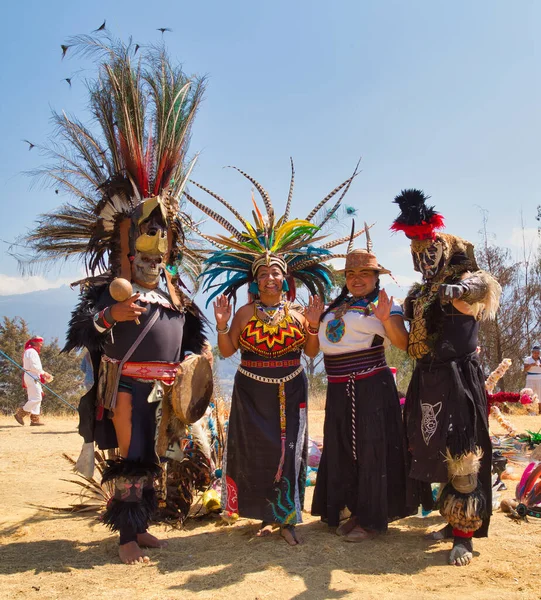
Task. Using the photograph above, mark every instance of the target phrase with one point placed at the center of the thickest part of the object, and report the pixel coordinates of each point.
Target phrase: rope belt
(280, 381)
(270, 364)
(350, 367)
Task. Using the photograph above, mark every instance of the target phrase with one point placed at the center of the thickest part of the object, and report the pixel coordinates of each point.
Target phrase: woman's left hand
(314, 310)
(382, 310)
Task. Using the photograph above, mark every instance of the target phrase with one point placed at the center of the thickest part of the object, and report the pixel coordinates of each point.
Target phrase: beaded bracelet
(312, 330)
(102, 316)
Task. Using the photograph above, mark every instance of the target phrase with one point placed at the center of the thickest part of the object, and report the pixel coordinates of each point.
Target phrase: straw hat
(361, 258)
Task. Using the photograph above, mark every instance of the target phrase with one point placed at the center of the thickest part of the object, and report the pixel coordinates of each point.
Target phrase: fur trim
(195, 325)
(81, 331)
(491, 302)
(468, 463)
(127, 515)
(463, 511)
(129, 468)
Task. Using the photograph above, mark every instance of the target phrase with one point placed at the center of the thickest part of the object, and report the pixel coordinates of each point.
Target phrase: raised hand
(127, 310)
(314, 310)
(222, 311)
(382, 310)
(449, 292)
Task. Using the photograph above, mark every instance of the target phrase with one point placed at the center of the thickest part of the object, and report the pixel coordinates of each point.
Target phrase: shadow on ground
(212, 557)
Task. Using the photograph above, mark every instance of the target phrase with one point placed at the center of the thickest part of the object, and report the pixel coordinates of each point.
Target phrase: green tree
(403, 364)
(68, 378)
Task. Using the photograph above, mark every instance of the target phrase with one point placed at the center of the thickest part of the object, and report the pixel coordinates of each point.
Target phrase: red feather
(424, 231)
(531, 481)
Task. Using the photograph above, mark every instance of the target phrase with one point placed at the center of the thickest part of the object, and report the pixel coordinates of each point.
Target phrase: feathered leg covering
(462, 501)
(134, 498)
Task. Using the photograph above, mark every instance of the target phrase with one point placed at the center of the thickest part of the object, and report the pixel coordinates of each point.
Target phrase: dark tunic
(254, 445)
(170, 337)
(446, 407)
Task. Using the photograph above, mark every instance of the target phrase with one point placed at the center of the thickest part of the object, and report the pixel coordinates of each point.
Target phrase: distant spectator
(532, 368)
(33, 377)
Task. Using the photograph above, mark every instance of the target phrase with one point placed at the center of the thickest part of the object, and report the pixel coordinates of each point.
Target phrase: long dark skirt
(254, 449)
(373, 487)
(446, 407)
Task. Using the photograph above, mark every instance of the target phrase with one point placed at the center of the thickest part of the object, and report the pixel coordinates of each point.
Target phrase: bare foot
(131, 554)
(290, 536)
(444, 533)
(265, 530)
(147, 540)
(461, 554)
(347, 526)
(357, 534)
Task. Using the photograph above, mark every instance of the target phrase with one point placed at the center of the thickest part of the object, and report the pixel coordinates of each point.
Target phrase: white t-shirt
(354, 331)
(32, 362)
(535, 370)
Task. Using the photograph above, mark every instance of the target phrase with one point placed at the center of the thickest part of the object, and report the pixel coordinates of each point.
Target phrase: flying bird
(164, 29)
(30, 144)
(68, 79)
(101, 27)
(56, 191)
(64, 49)
(136, 48)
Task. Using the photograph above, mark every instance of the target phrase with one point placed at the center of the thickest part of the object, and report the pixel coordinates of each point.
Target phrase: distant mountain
(46, 312)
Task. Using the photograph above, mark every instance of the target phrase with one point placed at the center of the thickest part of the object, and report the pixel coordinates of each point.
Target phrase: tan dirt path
(44, 555)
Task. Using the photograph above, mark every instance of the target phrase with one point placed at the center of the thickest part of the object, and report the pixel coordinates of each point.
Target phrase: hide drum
(192, 390)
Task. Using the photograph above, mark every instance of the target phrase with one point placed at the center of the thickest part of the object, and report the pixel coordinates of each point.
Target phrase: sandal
(347, 526)
(265, 529)
(357, 534)
(289, 535)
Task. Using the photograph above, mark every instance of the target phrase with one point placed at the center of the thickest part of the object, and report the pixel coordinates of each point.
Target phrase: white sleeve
(529, 361)
(32, 362)
(396, 309)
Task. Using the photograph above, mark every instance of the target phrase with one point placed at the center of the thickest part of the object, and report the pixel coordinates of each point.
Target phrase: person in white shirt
(532, 368)
(33, 377)
(363, 465)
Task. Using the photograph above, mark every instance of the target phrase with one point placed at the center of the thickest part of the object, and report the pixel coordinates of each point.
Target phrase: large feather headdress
(144, 107)
(291, 243)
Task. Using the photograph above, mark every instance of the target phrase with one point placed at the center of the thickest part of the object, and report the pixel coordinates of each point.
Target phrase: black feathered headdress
(416, 219)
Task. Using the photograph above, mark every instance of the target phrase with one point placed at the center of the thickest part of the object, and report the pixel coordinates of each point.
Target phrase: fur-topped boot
(35, 421)
(20, 415)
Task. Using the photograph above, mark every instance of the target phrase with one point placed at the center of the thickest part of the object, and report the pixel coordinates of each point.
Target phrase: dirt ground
(44, 555)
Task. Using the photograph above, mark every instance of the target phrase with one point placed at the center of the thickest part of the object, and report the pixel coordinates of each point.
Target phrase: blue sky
(444, 96)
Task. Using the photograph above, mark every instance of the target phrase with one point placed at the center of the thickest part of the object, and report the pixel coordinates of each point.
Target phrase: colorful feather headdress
(144, 107)
(290, 243)
(528, 492)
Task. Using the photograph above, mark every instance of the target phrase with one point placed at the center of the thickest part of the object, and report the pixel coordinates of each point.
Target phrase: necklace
(271, 315)
(336, 327)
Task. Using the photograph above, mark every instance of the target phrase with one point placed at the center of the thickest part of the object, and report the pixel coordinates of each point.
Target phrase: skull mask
(147, 268)
(150, 249)
(428, 260)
